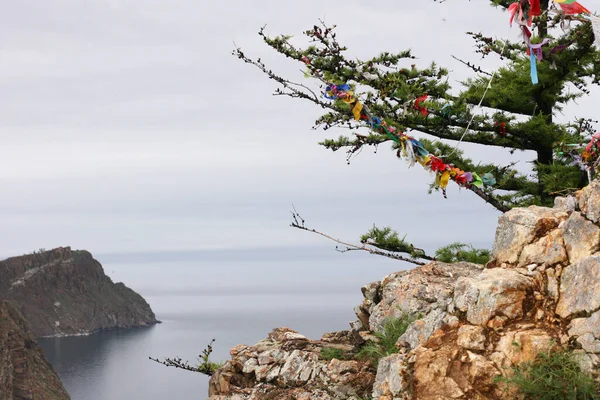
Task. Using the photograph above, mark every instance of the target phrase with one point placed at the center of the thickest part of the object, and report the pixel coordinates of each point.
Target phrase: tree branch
(299, 223)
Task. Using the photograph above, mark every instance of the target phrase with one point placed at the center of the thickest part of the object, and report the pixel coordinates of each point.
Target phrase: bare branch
(362, 247)
(206, 367)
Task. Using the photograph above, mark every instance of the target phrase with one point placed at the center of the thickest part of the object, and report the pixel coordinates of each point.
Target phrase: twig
(350, 246)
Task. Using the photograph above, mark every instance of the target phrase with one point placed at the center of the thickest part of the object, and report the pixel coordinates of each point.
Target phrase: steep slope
(24, 372)
(65, 292)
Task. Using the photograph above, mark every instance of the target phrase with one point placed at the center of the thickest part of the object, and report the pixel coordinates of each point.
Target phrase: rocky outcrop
(65, 292)
(541, 290)
(288, 365)
(24, 372)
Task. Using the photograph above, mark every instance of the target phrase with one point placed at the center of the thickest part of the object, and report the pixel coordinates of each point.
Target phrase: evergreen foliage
(515, 114)
(456, 252)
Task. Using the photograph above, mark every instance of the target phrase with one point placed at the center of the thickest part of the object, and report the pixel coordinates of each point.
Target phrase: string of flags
(522, 13)
(412, 150)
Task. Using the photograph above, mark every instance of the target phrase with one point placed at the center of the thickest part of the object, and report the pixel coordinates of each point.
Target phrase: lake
(236, 297)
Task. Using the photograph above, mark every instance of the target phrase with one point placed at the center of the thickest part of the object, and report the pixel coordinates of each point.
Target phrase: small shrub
(553, 375)
(386, 340)
(457, 252)
(329, 353)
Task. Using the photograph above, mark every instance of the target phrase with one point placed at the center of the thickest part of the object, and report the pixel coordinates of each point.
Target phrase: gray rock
(296, 363)
(584, 274)
(568, 204)
(581, 326)
(471, 337)
(494, 292)
(250, 365)
(587, 332)
(389, 380)
(421, 330)
(582, 237)
(589, 343)
(371, 292)
(519, 227)
(419, 290)
(552, 284)
(549, 250)
(589, 201)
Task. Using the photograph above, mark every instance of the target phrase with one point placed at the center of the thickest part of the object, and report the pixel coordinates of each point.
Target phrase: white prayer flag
(596, 29)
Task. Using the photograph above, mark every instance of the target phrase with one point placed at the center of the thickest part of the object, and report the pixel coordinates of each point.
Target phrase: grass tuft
(385, 345)
(553, 375)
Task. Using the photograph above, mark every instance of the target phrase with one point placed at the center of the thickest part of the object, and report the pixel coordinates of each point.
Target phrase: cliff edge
(24, 372)
(65, 292)
(540, 292)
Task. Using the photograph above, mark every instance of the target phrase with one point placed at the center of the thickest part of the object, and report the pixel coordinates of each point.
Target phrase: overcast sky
(128, 126)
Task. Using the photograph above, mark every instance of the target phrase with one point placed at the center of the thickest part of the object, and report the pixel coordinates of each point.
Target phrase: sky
(128, 127)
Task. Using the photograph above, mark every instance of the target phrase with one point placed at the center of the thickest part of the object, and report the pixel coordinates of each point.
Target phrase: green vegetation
(553, 375)
(396, 99)
(388, 239)
(456, 252)
(385, 344)
(206, 366)
(329, 353)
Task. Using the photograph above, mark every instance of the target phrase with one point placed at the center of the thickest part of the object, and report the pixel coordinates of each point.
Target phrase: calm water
(235, 297)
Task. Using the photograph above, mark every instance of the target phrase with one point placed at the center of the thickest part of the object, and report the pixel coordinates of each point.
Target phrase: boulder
(495, 292)
(580, 288)
(581, 237)
(589, 201)
(520, 227)
(419, 290)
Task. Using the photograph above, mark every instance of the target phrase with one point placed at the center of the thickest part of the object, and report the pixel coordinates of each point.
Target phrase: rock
(549, 250)
(552, 284)
(268, 371)
(517, 347)
(421, 330)
(419, 290)
(520, 227)
(589, 343)
(389, 380)
(24, 371)
(583, 274)
(589, 201)
(481, 372)
(371, 292)
(89, 300)
(471, 337)
(431, 370)
(568, 204)
(494, 292)
(587, 332)
(582, 237)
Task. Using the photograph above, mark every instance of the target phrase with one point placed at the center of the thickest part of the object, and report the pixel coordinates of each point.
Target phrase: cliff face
(65, 292)
(541, 290)
(24, 372)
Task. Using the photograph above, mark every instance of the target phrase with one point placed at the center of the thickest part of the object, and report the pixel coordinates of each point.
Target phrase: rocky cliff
(24, 372)
(540, 291)
(65, 292)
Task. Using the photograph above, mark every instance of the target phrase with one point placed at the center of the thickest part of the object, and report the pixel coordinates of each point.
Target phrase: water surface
(233, 297)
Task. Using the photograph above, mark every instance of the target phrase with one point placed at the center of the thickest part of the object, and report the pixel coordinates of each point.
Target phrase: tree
(513, 107)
